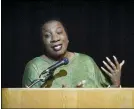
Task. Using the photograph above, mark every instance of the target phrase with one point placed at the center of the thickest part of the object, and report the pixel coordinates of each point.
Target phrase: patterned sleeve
(30, 74)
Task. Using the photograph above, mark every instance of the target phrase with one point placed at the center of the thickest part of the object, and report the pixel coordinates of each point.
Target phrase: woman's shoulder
(85, 59)
(84, 56)
(35, 61)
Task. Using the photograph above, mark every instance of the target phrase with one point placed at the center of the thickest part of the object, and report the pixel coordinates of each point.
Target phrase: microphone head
(66, 61)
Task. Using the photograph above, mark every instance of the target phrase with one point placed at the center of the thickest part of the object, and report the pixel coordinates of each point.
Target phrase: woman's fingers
(117, 63)
(122, 63)
(108, 67)
(111, 63)
(81, 84)
(109, 74)
(113, 69)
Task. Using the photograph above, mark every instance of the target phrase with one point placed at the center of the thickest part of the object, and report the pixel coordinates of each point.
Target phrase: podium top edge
(68, 89)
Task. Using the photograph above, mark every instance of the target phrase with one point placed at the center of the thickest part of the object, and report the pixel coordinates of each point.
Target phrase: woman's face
(55, 38)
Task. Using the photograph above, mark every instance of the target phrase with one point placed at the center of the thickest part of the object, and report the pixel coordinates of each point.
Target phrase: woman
(81, 71)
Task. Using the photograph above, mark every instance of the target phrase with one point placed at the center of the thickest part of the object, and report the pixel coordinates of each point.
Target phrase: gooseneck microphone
(49, 71)
(64, 61)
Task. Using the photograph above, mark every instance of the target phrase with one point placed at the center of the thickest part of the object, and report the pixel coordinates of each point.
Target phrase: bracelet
(113, 87)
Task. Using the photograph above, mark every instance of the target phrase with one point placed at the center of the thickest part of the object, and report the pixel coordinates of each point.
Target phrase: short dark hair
(51, 19)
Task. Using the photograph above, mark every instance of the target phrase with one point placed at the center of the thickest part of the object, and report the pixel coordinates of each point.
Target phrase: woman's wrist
(114, 86)
(116, 83)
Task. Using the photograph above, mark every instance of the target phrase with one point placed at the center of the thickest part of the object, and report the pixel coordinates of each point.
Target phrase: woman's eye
(46, 35)
(59, 32)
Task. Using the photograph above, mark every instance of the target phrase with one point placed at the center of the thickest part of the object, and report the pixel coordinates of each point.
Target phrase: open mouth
(57, 47)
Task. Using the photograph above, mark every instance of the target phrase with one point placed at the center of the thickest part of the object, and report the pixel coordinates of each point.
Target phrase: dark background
(96, 28)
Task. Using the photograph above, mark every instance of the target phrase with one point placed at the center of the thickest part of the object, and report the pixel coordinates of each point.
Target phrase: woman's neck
(68, 55)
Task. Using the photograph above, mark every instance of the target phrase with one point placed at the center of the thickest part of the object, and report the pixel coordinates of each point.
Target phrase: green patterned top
(81, 67)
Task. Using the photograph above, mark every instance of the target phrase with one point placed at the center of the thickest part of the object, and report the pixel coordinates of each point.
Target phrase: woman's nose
(55, 38)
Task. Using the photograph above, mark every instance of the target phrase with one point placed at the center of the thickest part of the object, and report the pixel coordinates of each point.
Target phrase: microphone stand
(33, 83)
(42, 78)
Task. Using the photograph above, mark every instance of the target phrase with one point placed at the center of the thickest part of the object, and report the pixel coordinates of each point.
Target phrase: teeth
(57, 47)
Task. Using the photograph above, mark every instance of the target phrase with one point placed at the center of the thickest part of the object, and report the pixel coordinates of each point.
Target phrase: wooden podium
(67, 98)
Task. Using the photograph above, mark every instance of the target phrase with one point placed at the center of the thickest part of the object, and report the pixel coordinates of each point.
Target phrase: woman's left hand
(114, 70)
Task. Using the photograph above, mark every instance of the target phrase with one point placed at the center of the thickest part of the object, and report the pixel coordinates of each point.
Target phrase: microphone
(48, 71)
(64, 61)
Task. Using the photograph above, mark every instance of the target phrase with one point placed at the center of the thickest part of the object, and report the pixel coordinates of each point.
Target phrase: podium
(67, 98)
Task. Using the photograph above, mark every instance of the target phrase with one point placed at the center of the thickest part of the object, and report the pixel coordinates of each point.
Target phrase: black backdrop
(97, 28)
